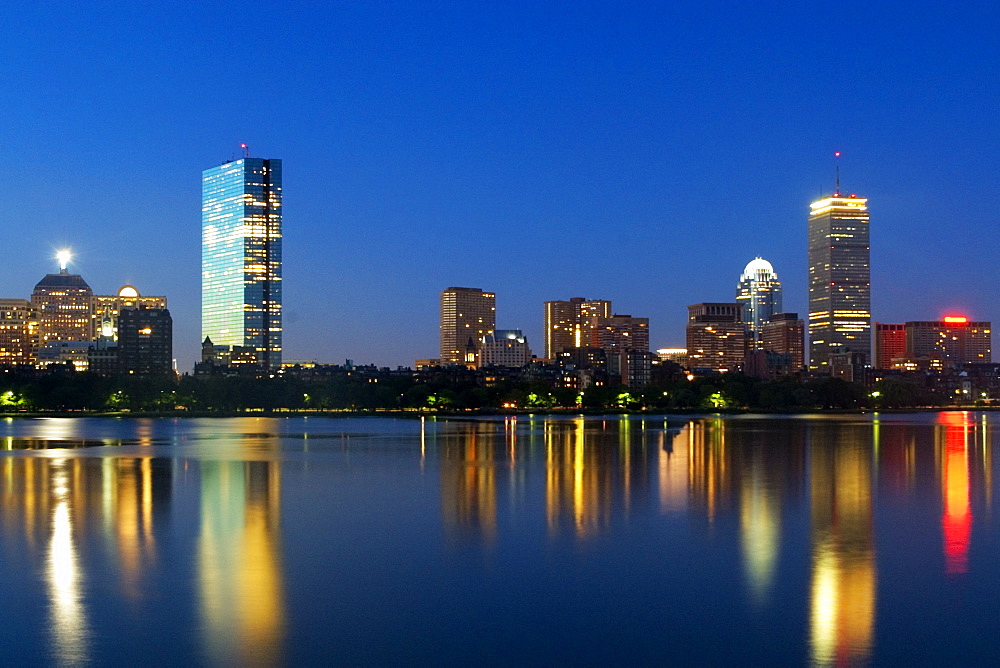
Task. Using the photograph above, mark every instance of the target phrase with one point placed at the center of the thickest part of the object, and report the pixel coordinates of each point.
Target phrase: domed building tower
(759, 292)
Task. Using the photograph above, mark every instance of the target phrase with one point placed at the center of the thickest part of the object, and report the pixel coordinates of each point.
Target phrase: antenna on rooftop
(836, 163)
(246, 150)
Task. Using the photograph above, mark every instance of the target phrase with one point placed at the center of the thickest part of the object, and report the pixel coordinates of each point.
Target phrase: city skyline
(451, 146)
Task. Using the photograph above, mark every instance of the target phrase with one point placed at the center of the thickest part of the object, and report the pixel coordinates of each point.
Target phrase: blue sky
(637, 152)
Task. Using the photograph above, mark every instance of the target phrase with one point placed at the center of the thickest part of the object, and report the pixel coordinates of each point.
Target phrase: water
(750, 539)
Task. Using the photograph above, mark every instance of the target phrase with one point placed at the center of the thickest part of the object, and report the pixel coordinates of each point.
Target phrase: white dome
(756, 267)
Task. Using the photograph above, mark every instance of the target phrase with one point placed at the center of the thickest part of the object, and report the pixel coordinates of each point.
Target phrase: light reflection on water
(242, 534)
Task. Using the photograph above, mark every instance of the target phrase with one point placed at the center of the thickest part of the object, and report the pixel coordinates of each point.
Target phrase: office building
(784, 334)
(890, 343)
(570, 324)
(839, 279)
(716, 336)
(18, 331)
(64, 305)
(953, 340)
(241, 257)
(466, 314)
(759, 292)
(505, 347)
(620, 333)
(107, 307)
(145, 341)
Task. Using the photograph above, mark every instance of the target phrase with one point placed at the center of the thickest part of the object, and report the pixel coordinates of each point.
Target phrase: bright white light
(64, 257)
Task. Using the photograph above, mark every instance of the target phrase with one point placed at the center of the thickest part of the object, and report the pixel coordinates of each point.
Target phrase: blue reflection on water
(795, 539)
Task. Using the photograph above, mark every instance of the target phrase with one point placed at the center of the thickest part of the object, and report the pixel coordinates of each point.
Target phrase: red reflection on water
(956, 522)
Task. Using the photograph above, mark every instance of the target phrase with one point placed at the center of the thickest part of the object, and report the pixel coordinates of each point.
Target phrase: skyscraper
(570, 324)
(466, 313)
(64, 303)
(760, 294)
(716, 336)
(839, 279)
(241, 256)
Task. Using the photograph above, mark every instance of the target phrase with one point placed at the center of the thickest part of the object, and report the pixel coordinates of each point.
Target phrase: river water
(527, 540)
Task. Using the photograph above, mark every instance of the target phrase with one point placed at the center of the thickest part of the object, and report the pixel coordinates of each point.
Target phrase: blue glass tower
(241, 256)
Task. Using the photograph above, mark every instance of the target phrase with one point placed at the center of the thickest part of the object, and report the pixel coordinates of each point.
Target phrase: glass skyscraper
(839, 279)
(760, 294)
(241, 256)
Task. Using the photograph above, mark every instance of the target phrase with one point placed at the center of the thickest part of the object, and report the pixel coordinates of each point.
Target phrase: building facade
(505, 347)
(759, 292)
(784, 334)
(107, 307)
(570, 324)
(466, 314)
(954, 340)
(64, 303)
(839, 279)
(241, 257)
(716, 336)
(889, 342)
(18, 331)
(145, 341)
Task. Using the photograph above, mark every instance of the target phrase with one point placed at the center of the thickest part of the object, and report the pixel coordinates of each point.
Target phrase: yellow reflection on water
(468, 483)
(842, 605)
(68, 618)
(760, 523)
(579, 474)
(239, 562)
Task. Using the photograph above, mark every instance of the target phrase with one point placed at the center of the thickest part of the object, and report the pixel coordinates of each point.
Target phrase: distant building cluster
(585, 342)
(64, 323)
(753, 335)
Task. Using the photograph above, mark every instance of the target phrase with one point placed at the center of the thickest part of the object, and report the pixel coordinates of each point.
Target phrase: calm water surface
(708, 540)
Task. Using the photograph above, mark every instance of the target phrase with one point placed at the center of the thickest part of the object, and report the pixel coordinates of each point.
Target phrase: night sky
(637, 152)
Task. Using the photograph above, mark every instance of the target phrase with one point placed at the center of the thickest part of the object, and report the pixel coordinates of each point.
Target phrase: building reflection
(842, 599)
(469, 479)
(712, 468)
(965, 473)
(239, 558)
(56, 501)
(594, 471)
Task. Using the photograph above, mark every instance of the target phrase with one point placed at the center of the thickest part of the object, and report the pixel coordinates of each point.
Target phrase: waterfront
(744, 539)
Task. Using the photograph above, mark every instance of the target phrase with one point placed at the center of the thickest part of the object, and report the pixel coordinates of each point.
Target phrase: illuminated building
(107, 307)
(839, 279)
(716, 336)
(505, 347)
(675, 355)
(64, 352)
(64, 307)
(620, 333)
(466, 313)
(759, 292)
(952, 340)
(145, 341)
(785, 334)
(18, 331)
(625, 341)
(241, 257)
(569, 324)
(890, 342)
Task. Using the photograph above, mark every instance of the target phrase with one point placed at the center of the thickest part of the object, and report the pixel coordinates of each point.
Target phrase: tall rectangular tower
(466, 313)
(570, 324)
(241, 256)
(839, 279)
